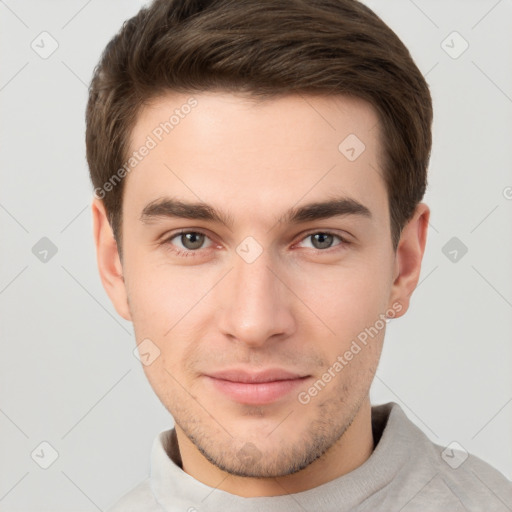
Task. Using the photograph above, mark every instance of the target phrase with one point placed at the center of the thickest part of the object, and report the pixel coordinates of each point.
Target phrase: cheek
(336, 302)
(346, 298)
(161, 294)
(169, 306)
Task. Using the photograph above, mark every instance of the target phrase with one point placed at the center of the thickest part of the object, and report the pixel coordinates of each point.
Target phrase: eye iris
(192, 240)
(322, 240)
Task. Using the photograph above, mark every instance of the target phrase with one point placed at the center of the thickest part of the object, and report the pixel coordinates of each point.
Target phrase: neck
(349, 452)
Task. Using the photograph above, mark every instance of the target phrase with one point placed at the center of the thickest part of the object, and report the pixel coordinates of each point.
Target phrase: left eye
(321, 240)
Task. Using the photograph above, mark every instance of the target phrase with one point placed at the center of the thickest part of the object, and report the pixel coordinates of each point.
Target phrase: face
(258, 270)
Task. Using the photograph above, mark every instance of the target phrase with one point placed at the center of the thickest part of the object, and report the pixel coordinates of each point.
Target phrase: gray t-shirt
(406, 472)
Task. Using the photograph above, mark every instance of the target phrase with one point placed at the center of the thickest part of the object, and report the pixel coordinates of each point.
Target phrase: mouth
(255, 388)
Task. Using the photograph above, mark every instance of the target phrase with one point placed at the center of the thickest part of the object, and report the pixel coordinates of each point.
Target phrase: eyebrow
(174, 208)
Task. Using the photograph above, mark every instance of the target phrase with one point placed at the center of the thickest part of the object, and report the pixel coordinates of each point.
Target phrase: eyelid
(344, 240)
(166, 240)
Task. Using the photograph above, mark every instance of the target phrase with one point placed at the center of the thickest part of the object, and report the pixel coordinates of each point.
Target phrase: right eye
(191, 242)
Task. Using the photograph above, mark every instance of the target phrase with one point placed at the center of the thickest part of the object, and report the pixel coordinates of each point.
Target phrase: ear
(409, 255)
(109, 262)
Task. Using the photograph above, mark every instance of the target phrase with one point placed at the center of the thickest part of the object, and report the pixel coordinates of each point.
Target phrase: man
(258, 170)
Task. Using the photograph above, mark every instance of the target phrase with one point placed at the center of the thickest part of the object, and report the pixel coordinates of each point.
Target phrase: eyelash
(194, 253)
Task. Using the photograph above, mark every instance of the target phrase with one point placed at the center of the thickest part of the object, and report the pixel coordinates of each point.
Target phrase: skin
(296, 307)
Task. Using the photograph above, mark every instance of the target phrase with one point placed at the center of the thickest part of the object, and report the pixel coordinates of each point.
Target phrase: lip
(255, 388)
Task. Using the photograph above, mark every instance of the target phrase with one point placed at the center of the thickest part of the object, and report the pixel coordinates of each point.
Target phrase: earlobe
(109, 262)
(409, 256)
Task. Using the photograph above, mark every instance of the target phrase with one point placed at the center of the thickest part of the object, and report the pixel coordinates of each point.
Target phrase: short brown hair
(264, 49)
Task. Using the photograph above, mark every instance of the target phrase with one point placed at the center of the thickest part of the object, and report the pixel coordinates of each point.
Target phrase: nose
(255, 305)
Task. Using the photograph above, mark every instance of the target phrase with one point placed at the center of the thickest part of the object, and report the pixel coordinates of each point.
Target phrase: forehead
(246, 155)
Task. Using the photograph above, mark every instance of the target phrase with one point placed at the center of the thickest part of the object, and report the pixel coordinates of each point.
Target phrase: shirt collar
(393, 432)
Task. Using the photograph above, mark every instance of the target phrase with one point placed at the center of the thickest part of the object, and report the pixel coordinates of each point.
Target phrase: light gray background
(68, 374)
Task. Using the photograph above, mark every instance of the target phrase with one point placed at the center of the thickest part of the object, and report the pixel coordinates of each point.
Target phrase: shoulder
(435, 477)
(474, 482)
(139, 499)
